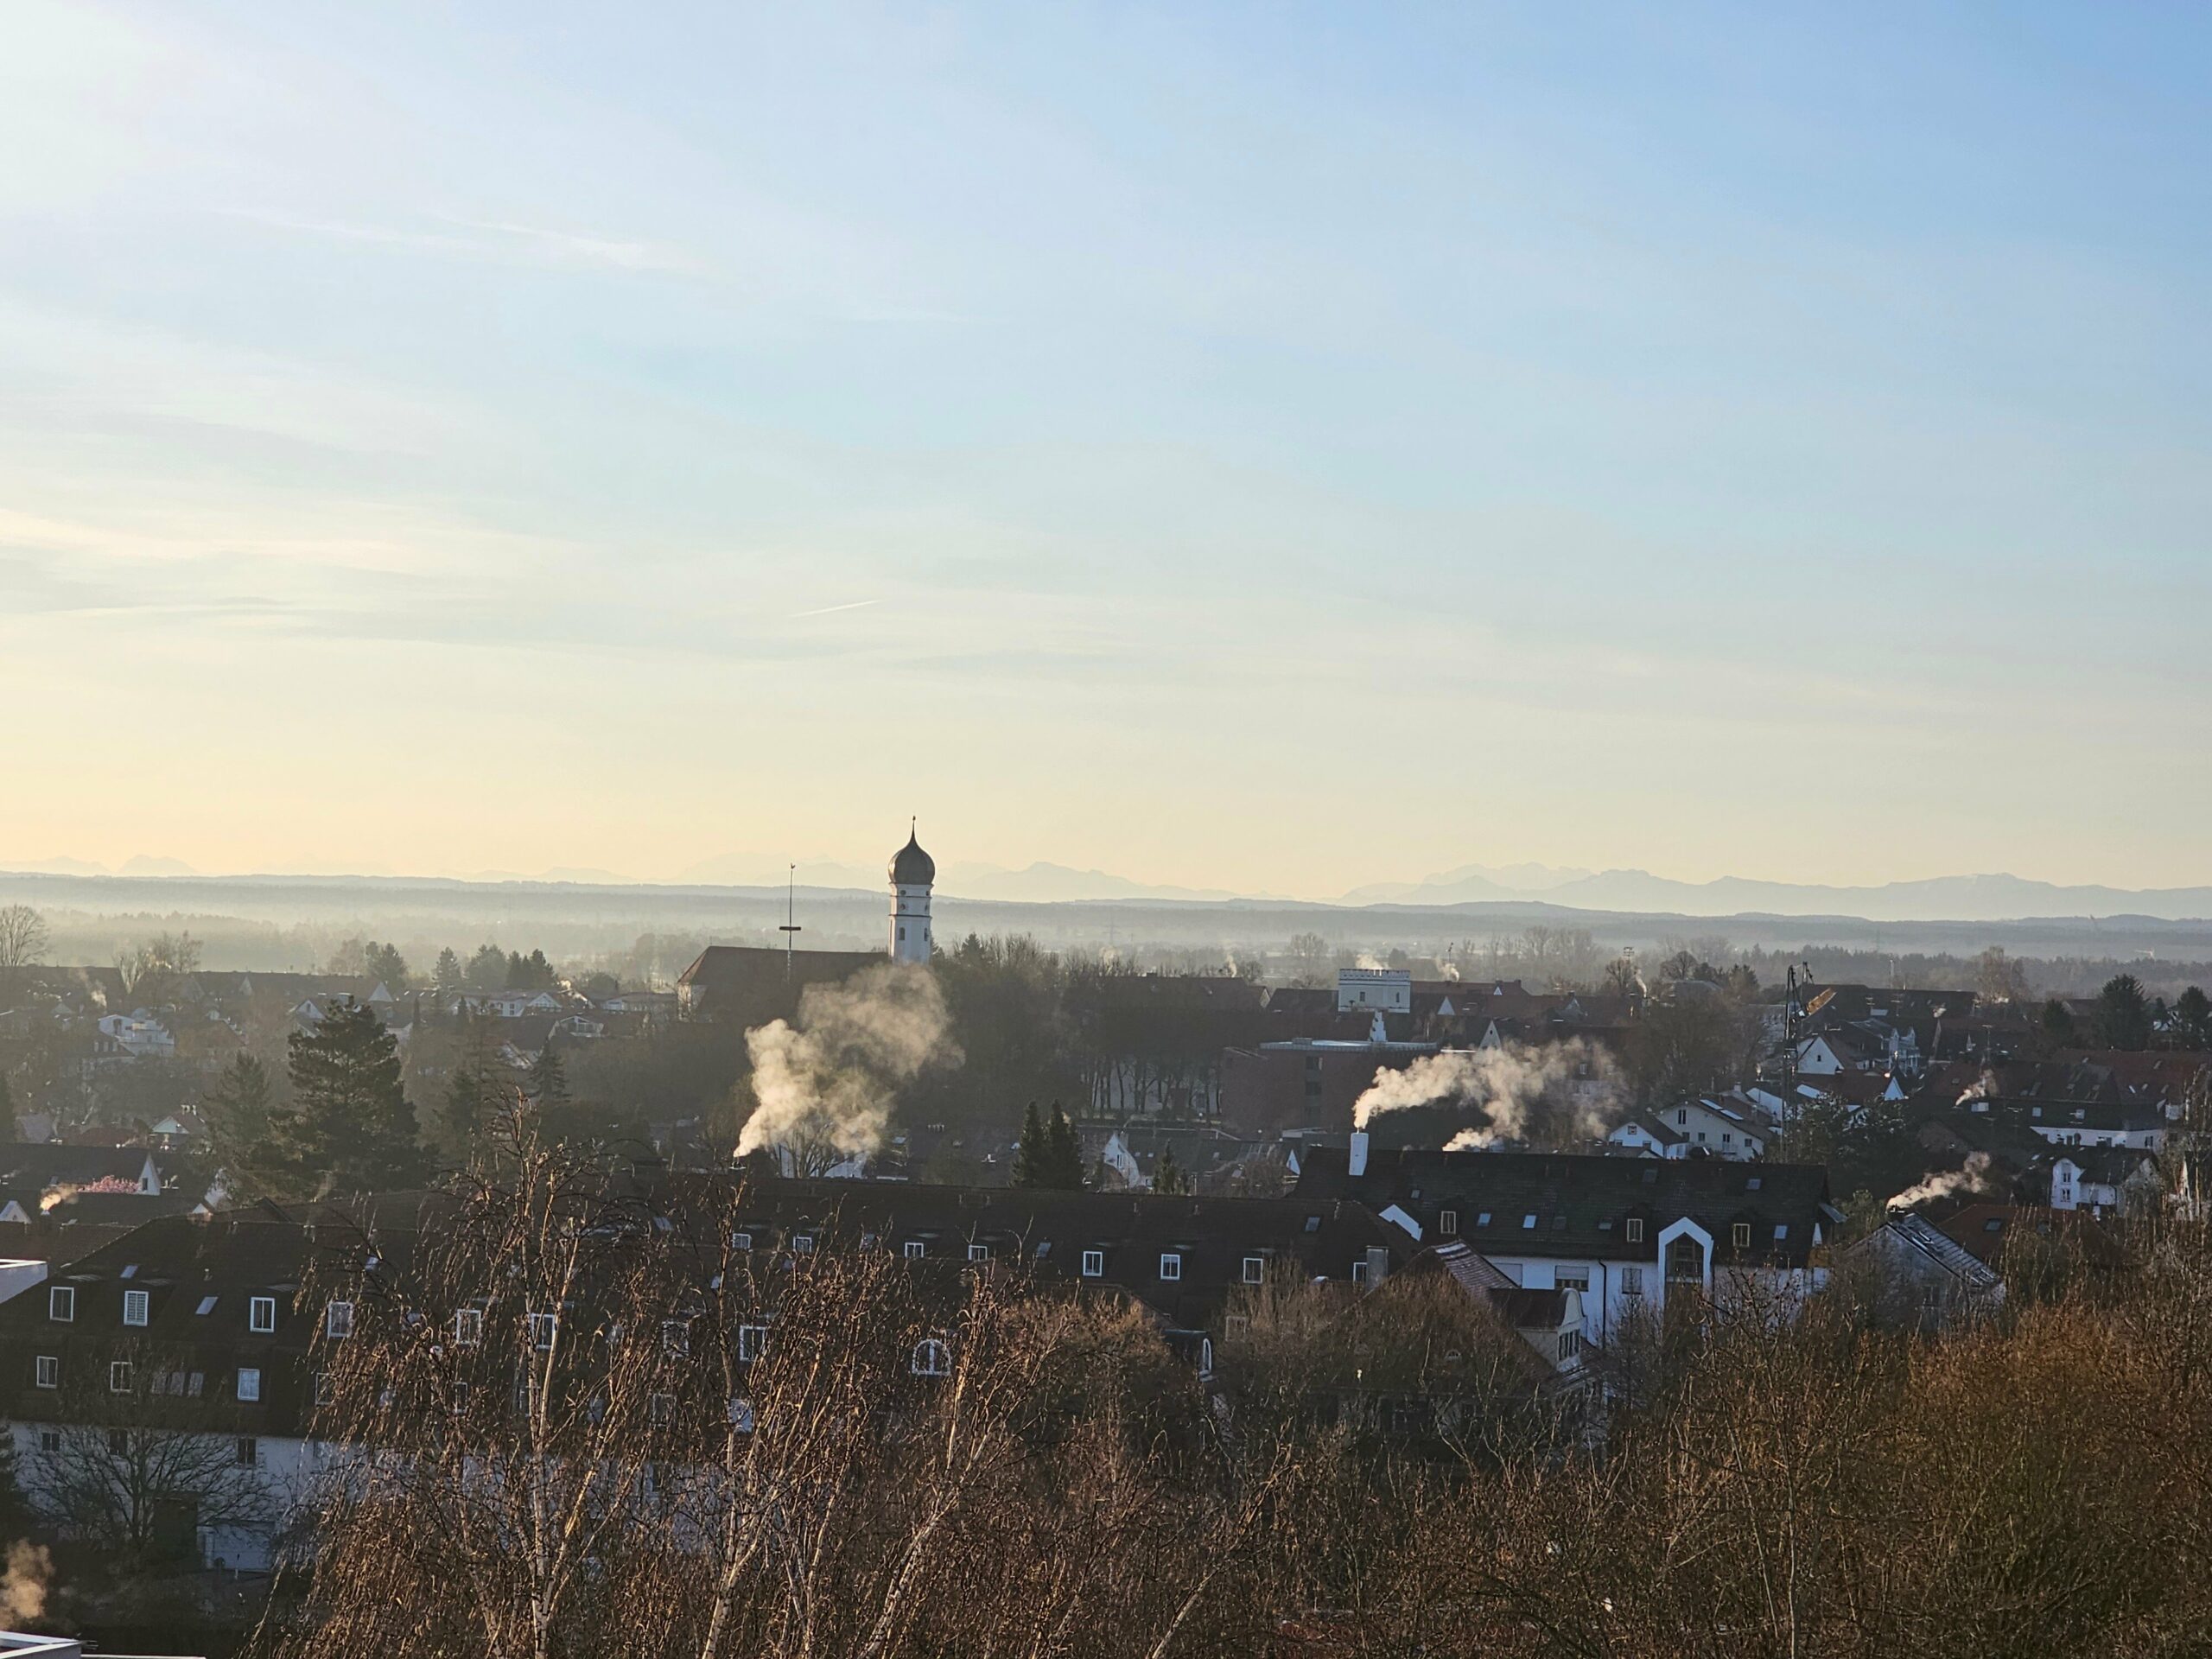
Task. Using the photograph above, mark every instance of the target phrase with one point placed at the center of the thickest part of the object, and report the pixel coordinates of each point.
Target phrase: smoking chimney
(1358, 1164)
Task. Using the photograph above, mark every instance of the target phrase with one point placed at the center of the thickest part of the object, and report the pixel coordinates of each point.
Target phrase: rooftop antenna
(790, 928)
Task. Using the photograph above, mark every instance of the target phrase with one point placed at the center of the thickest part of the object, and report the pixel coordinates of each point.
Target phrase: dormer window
(741, 1242)
(802, 1245)
(61, 1304)
(337, 1321)
(979, 1252)
(1632, 1229)
(676, 1339)
(261, 1315)
(1171, 1267)
(543, 1327)
(48, 1372)
(118, 1377)
(1094, 1264)
(249, 1383)
(1739, 1235)
(468, 1327)
(752, 1342)
(135, 1306)
(1255, 1270)
(916, 1249)
(930, 1358)
(1447, 1223)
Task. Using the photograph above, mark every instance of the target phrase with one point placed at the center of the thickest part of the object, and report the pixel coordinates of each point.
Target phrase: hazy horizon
(1233, 448)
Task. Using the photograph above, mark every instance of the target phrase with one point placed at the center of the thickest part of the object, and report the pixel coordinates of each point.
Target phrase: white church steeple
(913, 873)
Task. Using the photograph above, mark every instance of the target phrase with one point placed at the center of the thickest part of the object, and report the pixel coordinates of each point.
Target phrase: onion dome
(912, 868)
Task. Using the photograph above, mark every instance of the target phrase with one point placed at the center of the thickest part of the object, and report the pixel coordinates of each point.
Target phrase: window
(741, 1242)
(752, 1342)
(118, 1377)
(1685, 1260)
(249, 1383)
(660, 1409)
(1235, 1325)
(916, 1249)
(338, 1320)
(468, 1327)
(1571, 1279)
(1633, 1231)
(1559, 1223)
(324, 1392)
(1529, 1222)
(543, 1328)
(1781, 1231)
(676, 1339)
(802, 1245)
(1631, 1281)
(979, 1252)
(207, 1307)
(1726, 1139)
(1994, 1224)
(1255, 1270)
(49, 1440)
(1447, 1223)
(135, 1306)
(249, 1450)
(261, 1315)
(61, 1304)
(195, 1383)
(1739, 1235)
(1094, 1264)
(1359, 1271)
(1171, 1267)
(1683, 1116)
(1753, 1185)
(739, 1411)
(1313, 1223)
(1483, 1218)
(931, 1358)
(49, 1370)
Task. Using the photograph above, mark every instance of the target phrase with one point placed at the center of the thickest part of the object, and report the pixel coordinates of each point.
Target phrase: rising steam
(1973, 1178)
(828, 1084)
(1573, 1082)
(23, 1584)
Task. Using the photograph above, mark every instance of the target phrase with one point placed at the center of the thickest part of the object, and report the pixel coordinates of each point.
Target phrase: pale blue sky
(1260, 446)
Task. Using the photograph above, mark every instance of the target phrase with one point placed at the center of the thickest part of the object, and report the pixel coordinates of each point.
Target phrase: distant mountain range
(1943, 899)
(1948, 898)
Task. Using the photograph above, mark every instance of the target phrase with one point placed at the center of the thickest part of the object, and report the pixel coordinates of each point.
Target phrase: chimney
(1358, 1162)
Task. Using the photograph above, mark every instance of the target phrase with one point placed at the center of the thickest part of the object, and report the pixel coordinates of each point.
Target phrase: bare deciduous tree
(23, 936)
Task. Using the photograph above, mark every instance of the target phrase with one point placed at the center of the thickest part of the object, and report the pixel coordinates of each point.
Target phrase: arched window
(931, 1358)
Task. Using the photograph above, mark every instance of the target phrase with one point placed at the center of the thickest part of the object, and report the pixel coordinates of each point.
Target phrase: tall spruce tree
(471, 1095)
(240, 1112)
(1064, 1163)
(351, 1127)
(1032, 1155)
(8, 1111)
(547, 1080)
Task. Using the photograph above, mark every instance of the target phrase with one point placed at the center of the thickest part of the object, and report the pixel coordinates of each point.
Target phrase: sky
(1274, 447)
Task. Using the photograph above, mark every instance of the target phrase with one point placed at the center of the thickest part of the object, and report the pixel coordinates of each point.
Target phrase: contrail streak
(857, 605)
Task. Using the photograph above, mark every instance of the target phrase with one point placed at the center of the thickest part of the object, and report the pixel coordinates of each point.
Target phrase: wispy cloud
(500, 241)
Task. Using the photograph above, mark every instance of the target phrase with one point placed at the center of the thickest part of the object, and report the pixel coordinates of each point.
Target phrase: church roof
(912, 868)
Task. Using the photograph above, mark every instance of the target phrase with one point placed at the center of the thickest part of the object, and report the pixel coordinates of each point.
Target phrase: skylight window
(1529, 1222)
(207, 1307)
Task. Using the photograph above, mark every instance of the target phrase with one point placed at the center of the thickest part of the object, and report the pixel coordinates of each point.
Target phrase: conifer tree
(547, 1080)
(1167, 1177)
(1031, 1157)
(1065, 1163)
(448, 976)
(351, 1127)
(240, 1112)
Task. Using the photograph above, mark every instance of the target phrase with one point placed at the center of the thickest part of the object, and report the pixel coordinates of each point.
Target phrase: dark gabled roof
(45, 1164)
(1211, 1236)
(1919, 1235)
(2107, 1166)
(1578, 1202)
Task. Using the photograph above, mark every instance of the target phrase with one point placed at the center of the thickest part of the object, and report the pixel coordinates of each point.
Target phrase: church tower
(913, 872)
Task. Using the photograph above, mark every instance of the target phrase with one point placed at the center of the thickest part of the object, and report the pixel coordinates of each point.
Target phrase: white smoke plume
(24, 1583)
(1973, 1178)
(1471, 1140)
(1573, 1083)
(828, 1084)
(1986, 1087)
